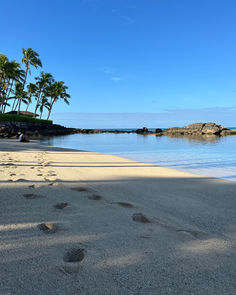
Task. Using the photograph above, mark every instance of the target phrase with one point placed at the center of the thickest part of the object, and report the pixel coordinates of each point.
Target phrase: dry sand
(85, 223)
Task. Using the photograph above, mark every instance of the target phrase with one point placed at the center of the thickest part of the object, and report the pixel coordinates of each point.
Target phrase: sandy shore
(85, 223)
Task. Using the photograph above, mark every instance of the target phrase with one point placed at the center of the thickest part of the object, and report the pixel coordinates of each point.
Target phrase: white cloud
(117, 78)
(108, 70)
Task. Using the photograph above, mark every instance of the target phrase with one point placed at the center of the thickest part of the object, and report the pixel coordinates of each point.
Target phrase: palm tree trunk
(13, 104)
(49, 112)
(27, 107)
(37, 103)
(19, 103)
(26, 73)
(50, 107)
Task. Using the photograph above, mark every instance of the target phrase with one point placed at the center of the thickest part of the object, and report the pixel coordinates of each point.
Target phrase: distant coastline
(37, 130)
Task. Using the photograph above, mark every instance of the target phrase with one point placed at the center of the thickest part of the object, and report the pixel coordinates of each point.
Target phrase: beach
(77, 222)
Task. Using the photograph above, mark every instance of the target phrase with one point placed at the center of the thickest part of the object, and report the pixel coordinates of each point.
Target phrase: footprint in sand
(61, 205)
(124, 204)
(80, 189)
(48, 228)
(94, 197)
(74, 255)
(33, 196)
(12, 174)
(34, 186)
(139, 217)
(72, 259)
(55, 184)
(144, 236)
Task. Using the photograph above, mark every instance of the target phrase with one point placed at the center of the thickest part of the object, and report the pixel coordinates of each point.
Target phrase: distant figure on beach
(23, 137)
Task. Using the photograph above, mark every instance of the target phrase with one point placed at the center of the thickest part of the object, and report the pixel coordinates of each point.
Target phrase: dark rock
(228, 132)
(196, 129)
(13, 129)
(144, 130)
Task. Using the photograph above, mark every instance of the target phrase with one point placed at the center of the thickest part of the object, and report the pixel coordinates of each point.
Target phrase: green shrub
(20, 118)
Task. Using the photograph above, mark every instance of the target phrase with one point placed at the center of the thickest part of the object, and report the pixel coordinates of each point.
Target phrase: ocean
(209, 156)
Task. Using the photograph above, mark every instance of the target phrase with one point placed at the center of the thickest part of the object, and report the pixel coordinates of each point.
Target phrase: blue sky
(136, 57)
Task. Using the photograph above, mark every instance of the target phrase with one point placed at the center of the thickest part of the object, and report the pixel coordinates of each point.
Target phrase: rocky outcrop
(197, 128)
(228, 132)
(144, 130)
(33, 130)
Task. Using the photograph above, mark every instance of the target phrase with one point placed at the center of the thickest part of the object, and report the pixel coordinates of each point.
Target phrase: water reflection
(197, 138)
(206, 155)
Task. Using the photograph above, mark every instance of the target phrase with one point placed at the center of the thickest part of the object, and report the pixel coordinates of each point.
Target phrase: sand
(75, 222)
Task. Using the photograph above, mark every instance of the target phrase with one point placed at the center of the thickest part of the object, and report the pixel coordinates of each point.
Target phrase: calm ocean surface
(209, 156)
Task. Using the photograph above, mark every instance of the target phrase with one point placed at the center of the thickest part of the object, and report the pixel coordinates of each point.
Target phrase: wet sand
(74, 222)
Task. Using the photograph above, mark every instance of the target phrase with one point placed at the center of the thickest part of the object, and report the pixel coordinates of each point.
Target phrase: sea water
(204, 155)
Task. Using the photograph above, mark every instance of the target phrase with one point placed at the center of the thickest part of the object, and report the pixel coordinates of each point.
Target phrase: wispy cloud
(108, 70)
(117, 78)
(91, 3)
(113, 74)
(126, 19)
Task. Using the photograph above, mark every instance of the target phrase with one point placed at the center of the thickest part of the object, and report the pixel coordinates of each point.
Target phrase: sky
(131, 63)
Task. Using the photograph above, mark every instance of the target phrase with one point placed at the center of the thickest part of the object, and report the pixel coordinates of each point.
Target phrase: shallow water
(210, 156)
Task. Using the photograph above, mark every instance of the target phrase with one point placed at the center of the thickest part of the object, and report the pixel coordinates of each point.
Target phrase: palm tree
(30, 57)
(32, 91)
(11, 73)
(3, 61)
(20, 94)
(56, 91)
(43, 82)
(43, 104)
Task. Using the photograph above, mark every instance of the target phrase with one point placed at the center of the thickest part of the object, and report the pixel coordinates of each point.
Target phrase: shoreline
(201, 171)
(12, 129)
(126, 226)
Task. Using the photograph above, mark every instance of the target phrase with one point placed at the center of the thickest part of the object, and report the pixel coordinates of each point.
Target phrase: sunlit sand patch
(49, 179)
(122, 261)
(213, 245)
(17, 226)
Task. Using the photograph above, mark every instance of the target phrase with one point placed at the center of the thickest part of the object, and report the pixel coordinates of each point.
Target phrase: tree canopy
(15, 93)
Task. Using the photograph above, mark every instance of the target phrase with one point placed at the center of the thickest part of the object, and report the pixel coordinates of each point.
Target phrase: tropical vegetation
(17, 118)
(38, 95)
